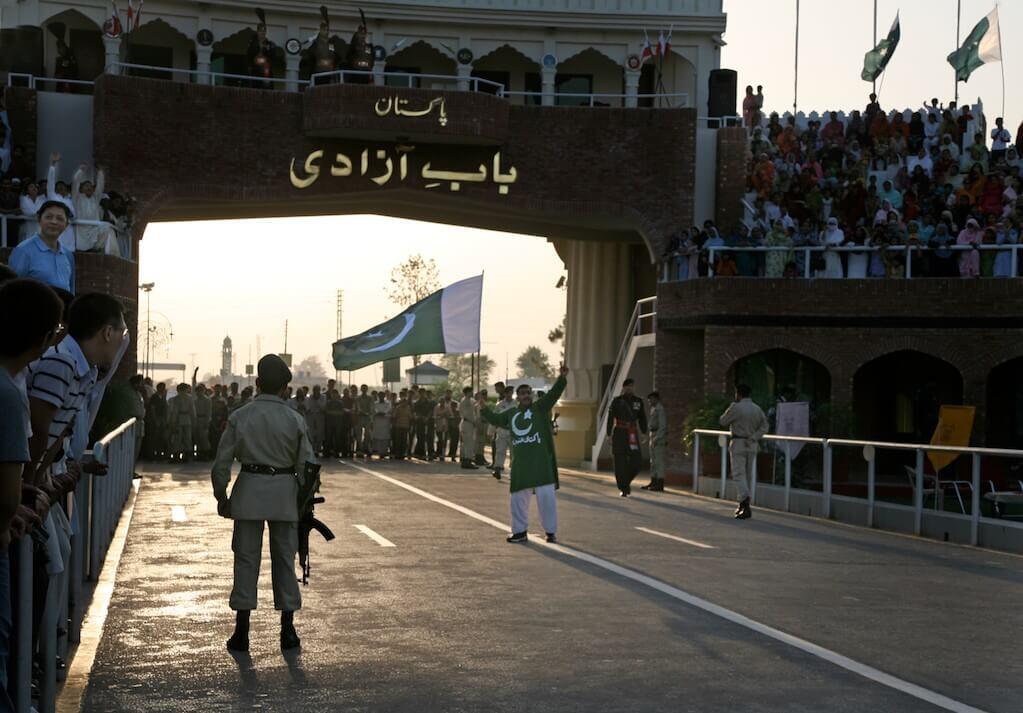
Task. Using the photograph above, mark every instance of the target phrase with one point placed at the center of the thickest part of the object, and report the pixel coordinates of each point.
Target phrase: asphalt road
(778, 613)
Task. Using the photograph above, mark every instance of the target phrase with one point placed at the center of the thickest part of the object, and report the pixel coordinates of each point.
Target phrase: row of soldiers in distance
(346, 423)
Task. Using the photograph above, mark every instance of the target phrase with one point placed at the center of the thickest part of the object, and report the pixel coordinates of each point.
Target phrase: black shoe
(552, 538)
(289, 637)
(497, 473)
(744, 505)
(624, 494)
(744, 515)
(648, 486)
(517, 537)
(239, 641)
(656, 487)
(468, 465)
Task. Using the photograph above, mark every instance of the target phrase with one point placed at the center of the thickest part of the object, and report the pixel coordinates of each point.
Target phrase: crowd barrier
(94, 511)
(818, 498)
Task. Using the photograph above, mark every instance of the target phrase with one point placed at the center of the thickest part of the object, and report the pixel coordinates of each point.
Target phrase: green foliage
(704, 414)
(534, 363)
(460, 368)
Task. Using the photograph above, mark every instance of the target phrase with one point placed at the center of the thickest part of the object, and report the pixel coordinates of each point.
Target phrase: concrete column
(203, 57)
(291, 63)
(464, 75)
(547, 75)
(112, 54)
(631, 88)
(598, 308)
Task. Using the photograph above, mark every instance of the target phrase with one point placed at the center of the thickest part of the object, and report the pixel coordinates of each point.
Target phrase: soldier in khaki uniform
(748, 425)
(272, 443)
(467, 428)
(657, 426)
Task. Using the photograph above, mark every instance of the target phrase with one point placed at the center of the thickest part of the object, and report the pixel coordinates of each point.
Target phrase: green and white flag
(982, 46)
(877, 59)
(446, 322)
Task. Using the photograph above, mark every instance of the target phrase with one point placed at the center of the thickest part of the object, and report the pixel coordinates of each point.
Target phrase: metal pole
(827, 481)
(788, 476)
(874, 83)
(975, 502)
(696, 462)
(918, 496)
(753, 479)
(871, 481)
(959, 18)
(23, 628)
(795, 89)
(723, 442)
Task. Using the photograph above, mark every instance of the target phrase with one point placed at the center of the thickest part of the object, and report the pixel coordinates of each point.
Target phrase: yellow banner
(955, 424)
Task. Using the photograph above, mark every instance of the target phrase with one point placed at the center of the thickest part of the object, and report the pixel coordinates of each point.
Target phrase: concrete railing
(825, 498)
(96, 508)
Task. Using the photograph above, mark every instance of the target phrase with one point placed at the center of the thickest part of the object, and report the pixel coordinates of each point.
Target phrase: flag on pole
(660, 44)
(667, 42)
(112, 27)
(648, 50)
(875, 61)
(446, 322)
(982, 46)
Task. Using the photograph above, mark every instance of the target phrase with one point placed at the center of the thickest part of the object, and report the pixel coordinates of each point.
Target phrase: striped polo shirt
(61, 377)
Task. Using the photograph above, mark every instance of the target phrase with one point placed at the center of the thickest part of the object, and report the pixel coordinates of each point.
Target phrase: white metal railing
(592, 98)
(7, 232)
(870, 449)
(718, 122)
(645, 309)
(96, 504)
(208, 73)
(808, 250)
(410, 79)
(31, 81)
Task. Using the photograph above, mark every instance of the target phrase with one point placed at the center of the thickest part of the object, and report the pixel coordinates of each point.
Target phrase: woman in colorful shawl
(969, 260)
(777, 259)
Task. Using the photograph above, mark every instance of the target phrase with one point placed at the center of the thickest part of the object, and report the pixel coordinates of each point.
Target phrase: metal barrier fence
(920, 482)
(31, 81)
(676, 100)
(94, 510)
(411, 79)
(9, 234)
(670, 272)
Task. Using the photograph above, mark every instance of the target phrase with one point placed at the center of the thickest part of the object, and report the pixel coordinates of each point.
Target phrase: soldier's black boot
(656, 487)
(239, 640)
(743, 512)
(497, 473)
(289, 637)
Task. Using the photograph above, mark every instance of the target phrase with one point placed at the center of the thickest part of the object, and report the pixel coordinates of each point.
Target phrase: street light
(147, 287)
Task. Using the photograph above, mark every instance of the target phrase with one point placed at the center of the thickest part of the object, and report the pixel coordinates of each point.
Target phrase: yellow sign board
(955, 424)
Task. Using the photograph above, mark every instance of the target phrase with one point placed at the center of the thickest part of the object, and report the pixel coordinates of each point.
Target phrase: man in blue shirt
(42, 257)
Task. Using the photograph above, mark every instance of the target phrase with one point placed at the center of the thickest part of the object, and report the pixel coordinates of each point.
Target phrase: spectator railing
(808, 250)
(679, 99)
(212, 75)
(719, 122)
(411, 80)
(31, 81)
(95, 508)
(870, 450)
(9, 233)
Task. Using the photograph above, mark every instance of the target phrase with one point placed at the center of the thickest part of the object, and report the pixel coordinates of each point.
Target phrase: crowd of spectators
(868, 194)
(58, 353)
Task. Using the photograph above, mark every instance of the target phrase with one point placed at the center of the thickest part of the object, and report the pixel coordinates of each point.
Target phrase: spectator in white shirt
(31, 201)
(1000, 140)
(57, 191)
(86, 196)
(922, 160)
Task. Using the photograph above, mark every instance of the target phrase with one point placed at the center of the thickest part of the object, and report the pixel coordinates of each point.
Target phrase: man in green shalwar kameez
(534, 464)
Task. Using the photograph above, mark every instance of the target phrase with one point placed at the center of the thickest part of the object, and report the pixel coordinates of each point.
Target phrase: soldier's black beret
(272, 368)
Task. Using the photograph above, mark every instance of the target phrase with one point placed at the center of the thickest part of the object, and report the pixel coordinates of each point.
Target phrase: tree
(557, 335)
(534, 363)
(312, 367)
(459, 367)
(412, 281)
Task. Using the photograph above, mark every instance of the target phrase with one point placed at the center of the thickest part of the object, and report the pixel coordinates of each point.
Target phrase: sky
(834, 36)
(245, 278)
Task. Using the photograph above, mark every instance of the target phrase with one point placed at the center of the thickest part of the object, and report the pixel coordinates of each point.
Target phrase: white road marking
(380, 540)
(860, 669)
(694, 543)
(178, 513)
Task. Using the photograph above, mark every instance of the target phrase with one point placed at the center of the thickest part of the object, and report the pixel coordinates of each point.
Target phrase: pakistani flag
(982, 46)
(877, 59)
(446, 322)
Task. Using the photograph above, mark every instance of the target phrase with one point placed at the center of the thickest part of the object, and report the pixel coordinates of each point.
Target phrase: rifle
(307, 502)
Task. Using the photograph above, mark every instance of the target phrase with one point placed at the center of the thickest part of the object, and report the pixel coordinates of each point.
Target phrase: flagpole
(955, 72)
(874, 83)
(1001, 60)
(795, 88)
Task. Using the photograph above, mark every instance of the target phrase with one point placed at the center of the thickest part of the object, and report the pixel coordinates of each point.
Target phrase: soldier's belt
(267, 469)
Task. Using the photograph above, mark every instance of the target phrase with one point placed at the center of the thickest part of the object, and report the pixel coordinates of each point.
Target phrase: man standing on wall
(626, 419)
(748, 425)
(658, 443)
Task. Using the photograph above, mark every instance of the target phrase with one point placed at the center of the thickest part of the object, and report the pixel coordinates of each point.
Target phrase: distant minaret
(226, 360)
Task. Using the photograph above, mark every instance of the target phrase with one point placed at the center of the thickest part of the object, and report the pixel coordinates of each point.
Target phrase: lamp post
(147, 287)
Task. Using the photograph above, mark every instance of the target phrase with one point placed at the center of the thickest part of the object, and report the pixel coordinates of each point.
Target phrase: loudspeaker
(722, 85)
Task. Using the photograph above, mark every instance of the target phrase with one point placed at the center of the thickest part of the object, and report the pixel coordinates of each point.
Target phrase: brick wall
(731, 177)
(198, 151)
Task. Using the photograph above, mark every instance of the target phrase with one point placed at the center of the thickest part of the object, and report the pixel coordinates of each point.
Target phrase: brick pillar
(731, 177)
(678, 376)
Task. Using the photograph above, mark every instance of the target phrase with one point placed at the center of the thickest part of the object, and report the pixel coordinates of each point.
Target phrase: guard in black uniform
(626, 419)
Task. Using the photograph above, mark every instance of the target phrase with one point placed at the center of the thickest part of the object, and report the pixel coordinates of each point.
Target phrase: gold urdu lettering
(311, 169)
(342, 166)
(387, 107)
